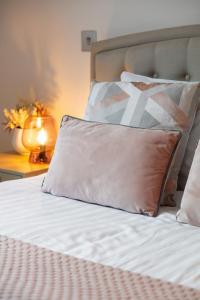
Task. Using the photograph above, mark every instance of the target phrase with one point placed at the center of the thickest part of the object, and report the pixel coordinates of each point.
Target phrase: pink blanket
(29, 272)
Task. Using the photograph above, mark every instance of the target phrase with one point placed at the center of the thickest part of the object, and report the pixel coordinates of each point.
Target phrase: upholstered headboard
(172, 53)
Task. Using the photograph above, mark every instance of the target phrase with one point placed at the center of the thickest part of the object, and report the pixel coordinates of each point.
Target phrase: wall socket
(87, 38)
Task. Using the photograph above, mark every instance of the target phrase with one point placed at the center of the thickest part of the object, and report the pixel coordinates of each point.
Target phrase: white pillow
(190, 205)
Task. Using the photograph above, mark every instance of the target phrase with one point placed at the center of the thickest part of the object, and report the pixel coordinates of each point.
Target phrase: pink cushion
(111, 165)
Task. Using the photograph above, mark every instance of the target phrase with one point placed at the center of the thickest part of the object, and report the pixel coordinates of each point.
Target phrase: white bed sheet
(159, 247)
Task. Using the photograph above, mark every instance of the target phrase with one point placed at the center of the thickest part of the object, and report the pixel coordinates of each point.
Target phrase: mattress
(159, 247)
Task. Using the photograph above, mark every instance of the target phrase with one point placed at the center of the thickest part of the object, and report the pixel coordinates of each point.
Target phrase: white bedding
(159, 247)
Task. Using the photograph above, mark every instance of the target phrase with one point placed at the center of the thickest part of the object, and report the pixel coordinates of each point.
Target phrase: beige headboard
(172, 53)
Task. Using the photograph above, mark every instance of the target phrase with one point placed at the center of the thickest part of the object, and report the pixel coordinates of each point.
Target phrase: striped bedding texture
(157, 247)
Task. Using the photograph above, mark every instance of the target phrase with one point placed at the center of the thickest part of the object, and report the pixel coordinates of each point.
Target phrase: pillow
(190, 205)
(103, 164)
(190, 150)
(194, 134)
(131, 77)
(147, 105)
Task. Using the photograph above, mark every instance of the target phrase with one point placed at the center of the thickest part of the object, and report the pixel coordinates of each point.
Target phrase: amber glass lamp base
(42, 157)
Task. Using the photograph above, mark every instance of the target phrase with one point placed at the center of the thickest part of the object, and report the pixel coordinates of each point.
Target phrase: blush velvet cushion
(111, 165)
(190, 204)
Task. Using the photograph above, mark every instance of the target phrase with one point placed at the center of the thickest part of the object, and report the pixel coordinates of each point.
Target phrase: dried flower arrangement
(15, 118)
(39, 109)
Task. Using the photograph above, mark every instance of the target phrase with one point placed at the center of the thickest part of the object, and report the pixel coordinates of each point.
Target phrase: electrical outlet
(87, 38)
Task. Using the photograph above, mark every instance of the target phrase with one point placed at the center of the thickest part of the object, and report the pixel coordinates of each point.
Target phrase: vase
(17, 142)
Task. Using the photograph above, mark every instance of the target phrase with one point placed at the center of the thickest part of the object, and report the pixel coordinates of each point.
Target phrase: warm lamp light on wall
(39, 136)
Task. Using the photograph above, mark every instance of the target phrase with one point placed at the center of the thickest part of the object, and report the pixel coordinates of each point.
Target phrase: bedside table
(14, 166)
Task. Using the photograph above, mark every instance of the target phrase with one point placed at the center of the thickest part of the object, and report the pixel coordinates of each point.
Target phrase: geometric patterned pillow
(194, 134)
(190, 150)
(148, 105)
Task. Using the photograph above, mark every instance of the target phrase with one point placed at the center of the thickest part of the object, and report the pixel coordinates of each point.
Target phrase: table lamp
(39, 136)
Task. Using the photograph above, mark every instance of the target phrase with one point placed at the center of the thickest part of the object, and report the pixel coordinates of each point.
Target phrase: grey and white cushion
(147, 105)
(194, 134)
(193, 140)
(132, 77)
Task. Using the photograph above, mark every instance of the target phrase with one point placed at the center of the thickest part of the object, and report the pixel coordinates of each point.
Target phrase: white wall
(40, 52)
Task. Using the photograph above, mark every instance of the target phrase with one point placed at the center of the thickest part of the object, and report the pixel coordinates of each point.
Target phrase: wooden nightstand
(13, 166)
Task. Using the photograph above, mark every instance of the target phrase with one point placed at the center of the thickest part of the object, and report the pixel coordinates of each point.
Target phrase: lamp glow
(39, 122)
(39, 137)
(42, 137)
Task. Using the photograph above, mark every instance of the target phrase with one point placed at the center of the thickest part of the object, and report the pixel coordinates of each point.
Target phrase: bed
(60, 249)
